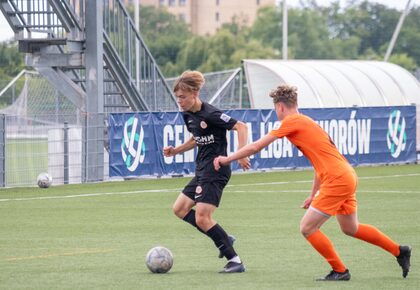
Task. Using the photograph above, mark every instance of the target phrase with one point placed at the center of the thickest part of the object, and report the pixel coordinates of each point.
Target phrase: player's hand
(307, 202)
(219, 161)
(244, 163)
(168, 151)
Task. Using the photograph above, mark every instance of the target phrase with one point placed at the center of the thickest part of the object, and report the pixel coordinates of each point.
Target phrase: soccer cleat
(336, 276)
(233, 267)
(232, 239)
(404, 259)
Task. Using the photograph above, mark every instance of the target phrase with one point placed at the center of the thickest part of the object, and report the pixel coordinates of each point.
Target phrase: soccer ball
(44, 180)
(159, 260)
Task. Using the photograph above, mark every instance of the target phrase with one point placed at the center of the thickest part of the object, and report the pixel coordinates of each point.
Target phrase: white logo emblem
(198, 189)
(203, 124)
(132, 145)
(396, 137)
(225, 117)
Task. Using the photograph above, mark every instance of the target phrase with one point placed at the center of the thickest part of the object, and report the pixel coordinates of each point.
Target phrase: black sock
(221, 240)
(190, 218)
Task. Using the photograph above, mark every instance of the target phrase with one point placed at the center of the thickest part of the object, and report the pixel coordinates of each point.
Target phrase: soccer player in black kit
(208, 126)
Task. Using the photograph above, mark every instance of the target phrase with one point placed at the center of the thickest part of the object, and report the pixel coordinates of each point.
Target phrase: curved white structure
(332, 83)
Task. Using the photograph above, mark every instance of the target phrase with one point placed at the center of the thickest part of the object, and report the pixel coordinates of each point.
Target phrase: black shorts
(205, 191)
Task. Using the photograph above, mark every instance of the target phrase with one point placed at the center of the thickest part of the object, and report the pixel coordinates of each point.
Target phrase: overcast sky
(398, 4)
(7, 33)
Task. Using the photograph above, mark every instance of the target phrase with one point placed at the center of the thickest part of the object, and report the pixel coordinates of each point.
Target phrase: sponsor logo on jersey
(225, 117)
(204, 140)
(198, 189)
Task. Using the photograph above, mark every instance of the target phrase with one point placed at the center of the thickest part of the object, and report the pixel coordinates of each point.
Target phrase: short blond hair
(285, 94)
(191, 81)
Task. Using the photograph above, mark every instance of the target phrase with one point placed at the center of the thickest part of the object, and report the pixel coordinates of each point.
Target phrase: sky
(6, 33)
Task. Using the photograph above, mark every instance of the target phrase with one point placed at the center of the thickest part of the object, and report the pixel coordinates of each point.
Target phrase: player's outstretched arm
(171, 151)
(242, 130)
(245, 151)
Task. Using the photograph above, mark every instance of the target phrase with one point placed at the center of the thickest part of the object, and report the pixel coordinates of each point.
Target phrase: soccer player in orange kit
(334, 187)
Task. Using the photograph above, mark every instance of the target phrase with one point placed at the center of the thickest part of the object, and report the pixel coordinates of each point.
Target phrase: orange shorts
(337, 195)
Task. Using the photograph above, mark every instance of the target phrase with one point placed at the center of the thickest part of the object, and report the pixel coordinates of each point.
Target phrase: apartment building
(206, 16)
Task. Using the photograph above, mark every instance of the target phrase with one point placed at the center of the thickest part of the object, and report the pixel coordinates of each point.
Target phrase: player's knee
(202, 221)
(306, 230)
(349, 231)
(179, 211)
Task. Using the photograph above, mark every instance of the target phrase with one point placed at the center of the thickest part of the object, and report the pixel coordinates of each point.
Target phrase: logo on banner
(132, 145)
(396, 137)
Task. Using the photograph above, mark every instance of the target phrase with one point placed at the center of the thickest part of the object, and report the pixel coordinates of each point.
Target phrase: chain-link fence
(29, 147)
(43, 131)
(224, 89)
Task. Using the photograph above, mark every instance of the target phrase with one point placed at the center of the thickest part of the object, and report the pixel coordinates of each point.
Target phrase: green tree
(404, 60)
(11, 60)
(409, 38)
(224, 50)
(163, 33)
(359, 30)
(372, 23)
(194, 53)
(267, 27)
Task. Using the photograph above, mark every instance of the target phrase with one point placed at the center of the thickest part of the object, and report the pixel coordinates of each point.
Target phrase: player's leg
(350, 226)
(310, 229)
(182, 208)
(204, 219)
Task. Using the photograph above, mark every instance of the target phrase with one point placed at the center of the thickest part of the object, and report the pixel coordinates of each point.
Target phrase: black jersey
(208, 127)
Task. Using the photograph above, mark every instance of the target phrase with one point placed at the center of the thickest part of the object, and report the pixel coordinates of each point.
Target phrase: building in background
(206, 16)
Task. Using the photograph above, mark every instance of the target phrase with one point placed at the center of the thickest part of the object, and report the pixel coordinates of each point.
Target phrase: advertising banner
(370, 135)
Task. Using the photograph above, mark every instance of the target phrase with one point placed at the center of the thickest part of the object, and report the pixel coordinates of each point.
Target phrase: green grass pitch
(96, 236)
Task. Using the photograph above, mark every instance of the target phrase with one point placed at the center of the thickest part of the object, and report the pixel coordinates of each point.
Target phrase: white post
(397, 31)
(137, 22)
(284, 52)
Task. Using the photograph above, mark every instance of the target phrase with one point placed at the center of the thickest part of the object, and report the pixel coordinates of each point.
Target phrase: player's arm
(245, 151)
(242, 130)
(315, 188)
(171, 151)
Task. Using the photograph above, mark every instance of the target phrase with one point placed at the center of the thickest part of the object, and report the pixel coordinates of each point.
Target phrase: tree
(409, 38)
(11, 60)
(224, 50)
(163, 33)
(372, 23)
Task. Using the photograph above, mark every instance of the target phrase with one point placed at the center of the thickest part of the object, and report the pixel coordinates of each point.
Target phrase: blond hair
(285, 94)
(191, 81)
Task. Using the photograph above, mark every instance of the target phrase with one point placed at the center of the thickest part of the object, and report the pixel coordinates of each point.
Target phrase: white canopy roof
(332, 83)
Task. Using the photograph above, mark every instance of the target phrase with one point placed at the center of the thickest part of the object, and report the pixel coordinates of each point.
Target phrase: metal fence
(29, 147)
(224, 89)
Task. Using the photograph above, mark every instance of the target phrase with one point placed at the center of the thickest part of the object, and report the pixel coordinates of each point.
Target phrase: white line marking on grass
(308, 191)
(308, 181)
(228, 186)
(86, 195)
(390, 176)
(52, 255)
(269, 183)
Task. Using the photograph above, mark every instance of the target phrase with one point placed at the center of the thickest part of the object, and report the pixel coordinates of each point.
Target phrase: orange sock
(374, 236)
(325, 247)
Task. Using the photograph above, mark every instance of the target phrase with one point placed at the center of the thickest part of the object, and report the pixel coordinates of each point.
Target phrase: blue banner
(373, 135)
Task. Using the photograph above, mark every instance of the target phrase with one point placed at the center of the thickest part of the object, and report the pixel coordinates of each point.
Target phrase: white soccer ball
(159, 260)
(44, 180)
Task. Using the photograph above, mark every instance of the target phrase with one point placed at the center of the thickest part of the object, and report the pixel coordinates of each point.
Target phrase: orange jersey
(315, 144)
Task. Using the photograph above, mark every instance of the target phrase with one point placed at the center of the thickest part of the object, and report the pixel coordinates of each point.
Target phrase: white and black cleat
(233, 267)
